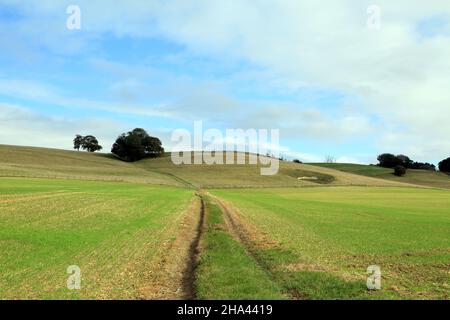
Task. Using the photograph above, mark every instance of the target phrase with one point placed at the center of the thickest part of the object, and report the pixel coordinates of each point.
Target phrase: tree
(77, 142)
(136, 145)
(405, 160)
(296, 161)
(399, 170)
(444, 165)
(330, 159)
(388, 160)
(90, 143)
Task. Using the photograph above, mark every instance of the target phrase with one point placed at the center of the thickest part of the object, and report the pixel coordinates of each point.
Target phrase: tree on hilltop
(88, 143)
(136, 145)
(77, 142)
(388, 160)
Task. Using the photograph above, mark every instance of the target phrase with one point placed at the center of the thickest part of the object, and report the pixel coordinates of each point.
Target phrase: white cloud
(401, 78)
(43, 93)
(21, 126)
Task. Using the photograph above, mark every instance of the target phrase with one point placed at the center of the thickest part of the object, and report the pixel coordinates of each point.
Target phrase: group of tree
(131, 146)
(423, 166)
(388, 160)
(88, 143)
(136, 145)
(401, 163)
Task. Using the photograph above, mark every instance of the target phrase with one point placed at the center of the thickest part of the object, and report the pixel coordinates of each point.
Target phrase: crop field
(116, 233)
(224, 263)
(154, 230)
(318, 242)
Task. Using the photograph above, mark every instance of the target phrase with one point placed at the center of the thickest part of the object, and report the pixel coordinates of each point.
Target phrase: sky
(334, 77)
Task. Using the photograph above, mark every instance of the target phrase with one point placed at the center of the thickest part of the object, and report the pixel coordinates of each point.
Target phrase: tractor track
(189, 274)
(239, 232)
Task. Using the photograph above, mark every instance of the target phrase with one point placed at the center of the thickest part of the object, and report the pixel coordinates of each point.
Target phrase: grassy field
(115, 232)
(226, 271)
(133, 228)
(318, 242)
(417, 177)
(32, 162)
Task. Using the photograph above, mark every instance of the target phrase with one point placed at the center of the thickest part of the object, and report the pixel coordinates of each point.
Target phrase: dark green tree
(388, 160)
(77, 142)
(90, 143)
(399, 171)
(136, 145)
(423, 166)
(444, 165)
(405, 160)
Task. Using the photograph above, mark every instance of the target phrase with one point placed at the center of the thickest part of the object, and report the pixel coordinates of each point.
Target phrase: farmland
(116, 233)
(320, 241)
(154, 230)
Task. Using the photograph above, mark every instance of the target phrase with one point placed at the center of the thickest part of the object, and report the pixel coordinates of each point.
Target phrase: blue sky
(318, 73)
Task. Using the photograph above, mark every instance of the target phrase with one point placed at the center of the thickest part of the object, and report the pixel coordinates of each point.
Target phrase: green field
(138, 231)
(225, 261)
(323, 239)
(113, 231)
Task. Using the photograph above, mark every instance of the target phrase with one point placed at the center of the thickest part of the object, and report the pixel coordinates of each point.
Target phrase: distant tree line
(400, 163)
(131, 146)
(388, 160)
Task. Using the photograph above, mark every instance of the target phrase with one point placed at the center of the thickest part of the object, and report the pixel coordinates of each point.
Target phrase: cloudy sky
(329, 76)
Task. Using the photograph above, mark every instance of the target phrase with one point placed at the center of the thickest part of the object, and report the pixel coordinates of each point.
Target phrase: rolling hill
(32, 162)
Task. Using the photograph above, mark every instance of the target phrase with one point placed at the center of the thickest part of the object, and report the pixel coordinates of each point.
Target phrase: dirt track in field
(189, 289)
(173, 276)
(252, 239)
